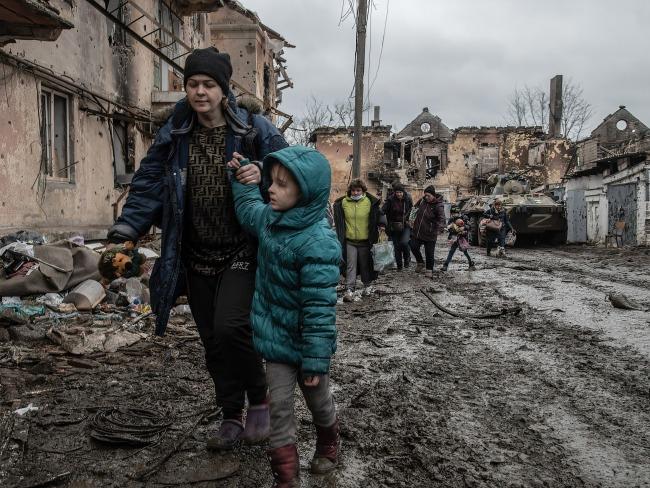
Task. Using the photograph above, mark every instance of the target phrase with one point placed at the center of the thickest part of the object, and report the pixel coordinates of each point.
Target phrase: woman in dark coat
(429, 221)
(397, 209)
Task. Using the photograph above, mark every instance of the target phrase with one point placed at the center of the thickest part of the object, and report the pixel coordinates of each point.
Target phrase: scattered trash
(619, 300)
(81, 340)
(24, 410)
(148, 253)
(52, 300)
(134, 290)
(26, 236)
(11, 300)
(182, 310)
(18, 313)
(86, 296)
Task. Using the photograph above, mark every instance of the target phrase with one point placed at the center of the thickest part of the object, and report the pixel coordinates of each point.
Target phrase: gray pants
(357, 254)
(282, 379)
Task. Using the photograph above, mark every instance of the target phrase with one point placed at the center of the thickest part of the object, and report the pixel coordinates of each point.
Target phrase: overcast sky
(464, 58)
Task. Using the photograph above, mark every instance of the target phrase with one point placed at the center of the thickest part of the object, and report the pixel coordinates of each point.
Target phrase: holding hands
(249, 174)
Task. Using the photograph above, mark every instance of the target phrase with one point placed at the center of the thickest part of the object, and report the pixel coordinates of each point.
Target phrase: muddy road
(553, 392)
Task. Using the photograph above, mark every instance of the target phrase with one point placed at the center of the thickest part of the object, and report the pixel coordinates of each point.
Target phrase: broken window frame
(433, 165)
(117, 35)
(123, 162)
(64, 172)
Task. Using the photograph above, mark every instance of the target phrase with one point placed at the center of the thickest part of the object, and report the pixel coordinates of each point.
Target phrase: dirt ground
(556, 395)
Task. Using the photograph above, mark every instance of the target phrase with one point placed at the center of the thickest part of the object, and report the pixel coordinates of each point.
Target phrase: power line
(381, 50)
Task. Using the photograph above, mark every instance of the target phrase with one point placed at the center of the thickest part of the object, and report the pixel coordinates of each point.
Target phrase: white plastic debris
(24, 410)
(11, 300)
(52, 299)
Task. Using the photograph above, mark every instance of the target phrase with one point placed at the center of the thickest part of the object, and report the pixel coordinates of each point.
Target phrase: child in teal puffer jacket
(293, 313)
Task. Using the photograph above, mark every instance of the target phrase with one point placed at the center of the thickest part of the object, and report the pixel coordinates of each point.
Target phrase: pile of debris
(54, 292)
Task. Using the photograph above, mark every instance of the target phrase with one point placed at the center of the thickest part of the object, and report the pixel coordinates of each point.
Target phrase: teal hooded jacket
(293, 315)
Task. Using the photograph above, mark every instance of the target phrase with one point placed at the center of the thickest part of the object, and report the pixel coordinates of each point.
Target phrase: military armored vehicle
(535, 217)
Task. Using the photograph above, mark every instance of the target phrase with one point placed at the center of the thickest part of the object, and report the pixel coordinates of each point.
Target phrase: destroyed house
(608, 189)
(459, 162)
(335, 143)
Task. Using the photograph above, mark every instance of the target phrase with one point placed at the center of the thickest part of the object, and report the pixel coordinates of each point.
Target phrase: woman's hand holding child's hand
(246, 175)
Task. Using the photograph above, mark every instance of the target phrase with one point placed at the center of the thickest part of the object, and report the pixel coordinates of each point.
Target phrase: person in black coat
(428, 222)
(497, 213)
(397, 209)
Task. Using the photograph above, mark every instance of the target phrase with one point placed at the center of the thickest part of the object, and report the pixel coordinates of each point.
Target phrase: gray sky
(463, 58)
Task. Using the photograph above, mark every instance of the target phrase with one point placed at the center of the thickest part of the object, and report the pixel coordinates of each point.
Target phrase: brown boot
(285, 466)
(326, 456)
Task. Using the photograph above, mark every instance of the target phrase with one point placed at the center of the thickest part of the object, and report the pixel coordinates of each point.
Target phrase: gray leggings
(282, 379)
(357, 255)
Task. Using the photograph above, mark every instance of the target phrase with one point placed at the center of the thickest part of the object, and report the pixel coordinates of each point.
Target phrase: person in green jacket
(293, 315)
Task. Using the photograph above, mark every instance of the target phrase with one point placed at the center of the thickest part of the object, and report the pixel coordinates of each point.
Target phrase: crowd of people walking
(359, 221)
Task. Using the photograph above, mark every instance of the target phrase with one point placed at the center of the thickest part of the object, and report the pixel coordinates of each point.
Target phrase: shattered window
(55, 129)
(123, 161)
(433, 166)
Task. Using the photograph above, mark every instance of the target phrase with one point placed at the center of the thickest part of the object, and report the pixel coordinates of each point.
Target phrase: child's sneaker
(472, 267)
(443, 267)
(367, 291)
(428, 273)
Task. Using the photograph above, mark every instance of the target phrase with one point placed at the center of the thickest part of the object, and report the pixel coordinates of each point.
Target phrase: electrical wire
(381, 50)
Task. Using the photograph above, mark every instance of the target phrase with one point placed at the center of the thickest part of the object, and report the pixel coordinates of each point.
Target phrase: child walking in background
(293, 313)
(457, 227)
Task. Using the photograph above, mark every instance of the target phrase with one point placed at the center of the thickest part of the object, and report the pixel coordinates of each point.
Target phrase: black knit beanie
(210, 62)
(431, 190)
(398, 186)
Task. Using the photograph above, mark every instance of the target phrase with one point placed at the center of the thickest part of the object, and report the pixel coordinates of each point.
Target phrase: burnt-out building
(458, 162)
(335, 143)
(608, 189)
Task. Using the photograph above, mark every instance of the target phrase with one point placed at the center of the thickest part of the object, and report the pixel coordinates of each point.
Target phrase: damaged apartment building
(85, 85)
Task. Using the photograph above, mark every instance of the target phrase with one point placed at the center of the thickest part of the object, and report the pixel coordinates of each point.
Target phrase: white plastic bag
(383, 255)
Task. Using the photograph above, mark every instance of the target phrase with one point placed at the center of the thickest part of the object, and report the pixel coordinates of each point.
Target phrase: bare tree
(318, 114)
(530, 106)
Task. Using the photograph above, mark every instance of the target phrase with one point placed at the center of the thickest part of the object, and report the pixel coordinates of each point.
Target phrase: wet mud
(557, 395)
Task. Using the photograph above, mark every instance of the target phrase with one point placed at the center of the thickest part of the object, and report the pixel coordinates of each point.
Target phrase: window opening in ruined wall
(116, 34)
(55, 134)
(123, 157)
(433, 166)
(165, 78)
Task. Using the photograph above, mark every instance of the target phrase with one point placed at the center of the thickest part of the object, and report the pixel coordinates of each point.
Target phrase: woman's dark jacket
(429, 219)
(501, 216)
(157, 192)
(396, 210)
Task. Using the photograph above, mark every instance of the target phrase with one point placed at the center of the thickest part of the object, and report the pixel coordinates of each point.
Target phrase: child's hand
(312, 380)
(246, 175)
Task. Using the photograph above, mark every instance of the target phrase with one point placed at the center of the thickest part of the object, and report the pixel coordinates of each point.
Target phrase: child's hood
(313, 175)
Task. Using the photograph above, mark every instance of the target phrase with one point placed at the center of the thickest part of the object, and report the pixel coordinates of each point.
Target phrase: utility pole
(362, 14)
